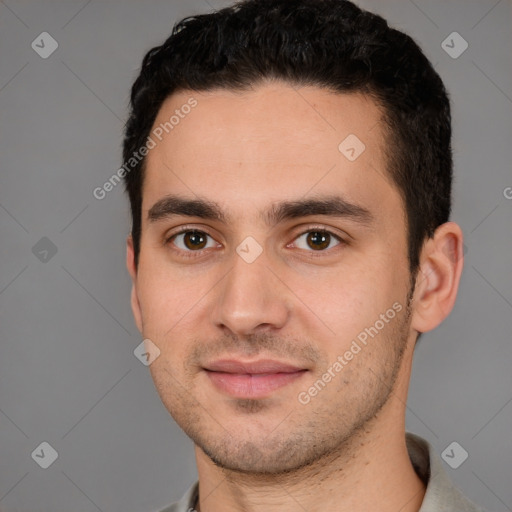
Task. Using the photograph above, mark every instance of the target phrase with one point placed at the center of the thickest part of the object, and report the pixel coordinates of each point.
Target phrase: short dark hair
(331, 44)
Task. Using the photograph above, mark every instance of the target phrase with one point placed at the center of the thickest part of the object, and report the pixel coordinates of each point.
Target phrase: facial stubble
(299, 436)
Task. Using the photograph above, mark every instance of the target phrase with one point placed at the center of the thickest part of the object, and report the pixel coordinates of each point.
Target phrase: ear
(437, 281)
(130, 265)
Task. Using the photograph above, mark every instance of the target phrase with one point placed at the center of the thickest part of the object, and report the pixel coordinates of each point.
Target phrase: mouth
(257, 379)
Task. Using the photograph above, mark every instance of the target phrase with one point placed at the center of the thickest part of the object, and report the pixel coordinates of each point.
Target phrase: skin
(345, 449)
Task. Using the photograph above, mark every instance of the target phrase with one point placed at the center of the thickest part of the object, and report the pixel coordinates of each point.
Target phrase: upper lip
(253, 367)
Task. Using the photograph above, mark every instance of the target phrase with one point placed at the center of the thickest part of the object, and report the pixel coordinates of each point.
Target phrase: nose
(251, 299)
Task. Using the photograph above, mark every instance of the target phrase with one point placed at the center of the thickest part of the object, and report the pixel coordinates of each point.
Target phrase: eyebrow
(334, 206)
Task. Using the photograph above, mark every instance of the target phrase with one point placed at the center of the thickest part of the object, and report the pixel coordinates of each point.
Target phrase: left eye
(316, 240)
(193, 240)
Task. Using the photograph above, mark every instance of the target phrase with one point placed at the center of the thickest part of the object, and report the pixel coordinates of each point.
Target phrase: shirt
(440, 496)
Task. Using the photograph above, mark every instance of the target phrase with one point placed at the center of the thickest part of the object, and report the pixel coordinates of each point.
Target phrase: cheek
(174, 311)
(343, 302)
(165, 297)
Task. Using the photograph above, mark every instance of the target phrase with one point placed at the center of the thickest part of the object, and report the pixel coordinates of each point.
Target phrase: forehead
(275, 142)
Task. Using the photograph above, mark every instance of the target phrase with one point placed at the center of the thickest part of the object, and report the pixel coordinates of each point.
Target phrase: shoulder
(441, 494)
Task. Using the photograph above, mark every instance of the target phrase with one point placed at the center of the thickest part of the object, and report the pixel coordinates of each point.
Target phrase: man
(290, 193)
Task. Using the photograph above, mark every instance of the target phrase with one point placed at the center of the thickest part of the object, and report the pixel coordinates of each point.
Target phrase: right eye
(192, 240)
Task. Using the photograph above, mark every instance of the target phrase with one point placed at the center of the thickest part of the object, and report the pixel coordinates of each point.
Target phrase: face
(273, 273)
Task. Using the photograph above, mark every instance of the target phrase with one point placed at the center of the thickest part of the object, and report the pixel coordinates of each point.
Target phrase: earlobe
(134, 299)
(438, 278)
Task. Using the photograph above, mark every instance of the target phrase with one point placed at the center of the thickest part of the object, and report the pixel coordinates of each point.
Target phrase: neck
(372, 472)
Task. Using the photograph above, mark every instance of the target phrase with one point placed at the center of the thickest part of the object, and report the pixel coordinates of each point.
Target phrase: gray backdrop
(68, 374)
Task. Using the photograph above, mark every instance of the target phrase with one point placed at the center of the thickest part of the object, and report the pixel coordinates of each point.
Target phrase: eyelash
(200, 252)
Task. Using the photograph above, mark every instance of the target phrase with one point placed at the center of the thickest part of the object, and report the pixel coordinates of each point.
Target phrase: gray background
(68, 375)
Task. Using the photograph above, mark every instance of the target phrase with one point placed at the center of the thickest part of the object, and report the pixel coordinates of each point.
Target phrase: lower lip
(252, 385)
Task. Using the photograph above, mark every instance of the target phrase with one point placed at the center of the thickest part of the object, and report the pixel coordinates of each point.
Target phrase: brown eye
(192, 240)
(318, 240)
